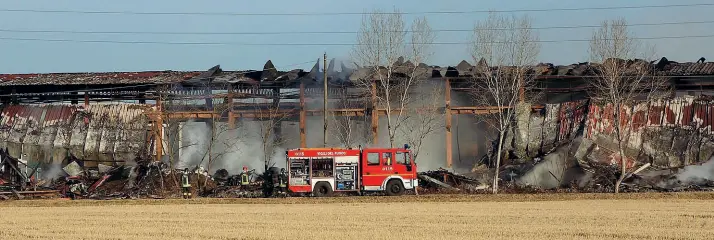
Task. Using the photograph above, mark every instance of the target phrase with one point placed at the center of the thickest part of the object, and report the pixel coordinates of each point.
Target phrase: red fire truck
(322, 171)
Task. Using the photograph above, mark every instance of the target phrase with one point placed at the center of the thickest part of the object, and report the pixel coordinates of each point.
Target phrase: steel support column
(231, 120)
(159, 130)
(277, 126)
(303, 141)
(375, 117)
(229, 102)
(447, 113)
(74, 97)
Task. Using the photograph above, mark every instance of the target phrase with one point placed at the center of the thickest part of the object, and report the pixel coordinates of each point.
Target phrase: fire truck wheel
(394, 188)
(322, 189)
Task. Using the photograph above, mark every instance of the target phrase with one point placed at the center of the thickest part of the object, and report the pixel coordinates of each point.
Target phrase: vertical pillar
(303, 141)
(521, 90)
(13, 99)
(278, 125)
(375, 116)
(159, 129)
(229, 104)
(324, 106)
(74, 98)
(231, 119)
(447, 113)
(208, 92)
(86, 99)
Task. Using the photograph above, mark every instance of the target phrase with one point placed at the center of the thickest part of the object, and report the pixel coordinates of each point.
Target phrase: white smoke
(243, 146)
(231, 149)
(52, 171)
(467, 140)
(697, 173)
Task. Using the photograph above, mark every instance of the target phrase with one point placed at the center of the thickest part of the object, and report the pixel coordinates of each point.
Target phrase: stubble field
(555, 216)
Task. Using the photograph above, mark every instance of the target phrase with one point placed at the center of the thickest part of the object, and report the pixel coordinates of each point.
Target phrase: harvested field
(579, 216)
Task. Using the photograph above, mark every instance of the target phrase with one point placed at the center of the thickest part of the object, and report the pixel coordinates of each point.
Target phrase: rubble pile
(667, 183)
(229, 186)
(143, 180)
(152, 181)
(442, 181)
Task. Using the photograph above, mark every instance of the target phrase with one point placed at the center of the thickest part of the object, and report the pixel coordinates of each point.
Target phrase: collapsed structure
(115, 119)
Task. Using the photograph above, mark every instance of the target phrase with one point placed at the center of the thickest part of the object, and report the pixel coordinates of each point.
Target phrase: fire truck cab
(323, 171)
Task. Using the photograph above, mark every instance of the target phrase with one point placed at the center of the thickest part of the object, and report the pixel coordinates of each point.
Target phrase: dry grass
(562, 216)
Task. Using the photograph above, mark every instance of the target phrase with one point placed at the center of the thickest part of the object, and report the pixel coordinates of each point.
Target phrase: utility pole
(324, 107)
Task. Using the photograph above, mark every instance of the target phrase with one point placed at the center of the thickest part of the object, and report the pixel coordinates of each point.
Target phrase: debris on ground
(442, 180)
(157, 180)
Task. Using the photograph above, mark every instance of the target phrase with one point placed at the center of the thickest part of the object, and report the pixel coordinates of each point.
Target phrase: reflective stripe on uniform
(184, 181)
(244, 179)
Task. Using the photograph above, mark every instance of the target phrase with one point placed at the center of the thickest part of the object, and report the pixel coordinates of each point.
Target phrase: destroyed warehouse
(63, 124)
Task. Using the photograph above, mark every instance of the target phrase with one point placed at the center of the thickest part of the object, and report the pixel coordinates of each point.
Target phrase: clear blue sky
(29, 56)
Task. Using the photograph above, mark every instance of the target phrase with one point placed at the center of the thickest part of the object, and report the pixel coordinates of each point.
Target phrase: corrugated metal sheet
(132, 136)
(550, 127)
(97, 119)
(64, 126)
(545, 70)
(570, 116)
(47, 132)
(706, 68)
(79, 128)
(665, 130)
(8, 118)
(96, 78)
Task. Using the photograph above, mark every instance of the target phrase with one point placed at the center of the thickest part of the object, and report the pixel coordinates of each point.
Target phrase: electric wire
(349, 13)
(328, 32)
(316, 44)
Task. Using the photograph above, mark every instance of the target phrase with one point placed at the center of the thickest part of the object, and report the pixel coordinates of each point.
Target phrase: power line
(329, 32)
(351, 13)
(314, 44)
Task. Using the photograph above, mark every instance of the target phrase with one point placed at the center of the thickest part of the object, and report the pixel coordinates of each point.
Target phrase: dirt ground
(549, 216)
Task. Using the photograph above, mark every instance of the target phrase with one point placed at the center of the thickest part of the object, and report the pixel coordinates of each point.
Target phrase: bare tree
(622, 80)
(347, 128)
(424, 117)
(392, 52)
(269, 119)
(509, 45)
(218, 140)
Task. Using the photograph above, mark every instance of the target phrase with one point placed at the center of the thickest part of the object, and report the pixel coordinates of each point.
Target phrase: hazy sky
(35, 56)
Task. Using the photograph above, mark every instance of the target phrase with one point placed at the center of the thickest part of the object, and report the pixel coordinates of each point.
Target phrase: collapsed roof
(270, 74)
(663, 67)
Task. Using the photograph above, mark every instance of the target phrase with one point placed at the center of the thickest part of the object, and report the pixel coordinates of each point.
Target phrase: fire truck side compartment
(299, 175)
(346, 170)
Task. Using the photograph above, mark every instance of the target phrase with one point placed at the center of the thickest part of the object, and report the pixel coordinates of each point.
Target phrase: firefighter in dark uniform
(244, 179)
(283, 179)
(186, 184)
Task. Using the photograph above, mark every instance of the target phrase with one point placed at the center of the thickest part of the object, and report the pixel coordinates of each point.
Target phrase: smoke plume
(694, 174)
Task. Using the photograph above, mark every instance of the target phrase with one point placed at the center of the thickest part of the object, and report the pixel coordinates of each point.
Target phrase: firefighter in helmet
(283, 178)
(185, 184)
(244, 178)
